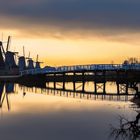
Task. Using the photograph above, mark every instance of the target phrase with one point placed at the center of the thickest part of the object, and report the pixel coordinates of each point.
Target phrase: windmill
(30, 62)
(37, 63)
(21, 61)
(10, 56)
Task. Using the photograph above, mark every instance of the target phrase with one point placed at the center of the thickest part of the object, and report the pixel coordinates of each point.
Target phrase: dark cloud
(74, 14)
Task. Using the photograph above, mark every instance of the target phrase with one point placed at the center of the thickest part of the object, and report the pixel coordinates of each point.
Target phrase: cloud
(59, 16)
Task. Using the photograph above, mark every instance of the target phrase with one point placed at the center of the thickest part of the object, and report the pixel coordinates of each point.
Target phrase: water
(35, 114)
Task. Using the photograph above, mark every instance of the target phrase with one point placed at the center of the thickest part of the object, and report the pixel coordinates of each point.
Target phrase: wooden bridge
(125, 76)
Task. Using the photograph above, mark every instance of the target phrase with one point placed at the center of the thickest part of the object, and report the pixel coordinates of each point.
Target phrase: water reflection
(1, 92)
(41, 113)
(9, 88)
(128, 130)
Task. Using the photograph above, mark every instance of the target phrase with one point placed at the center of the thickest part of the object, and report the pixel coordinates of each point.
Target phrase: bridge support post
(126, 91)
(63, 85)
(83, 82)
(126, 78)
(54, 83)
(118, 88)
(104, 84)
(104, 87)
(122, 88)
(74, 82)
(99, 86)
(95, 83)
(47, 84)
(95, 87)
(63, 81)
(74, 86)
(83, 86)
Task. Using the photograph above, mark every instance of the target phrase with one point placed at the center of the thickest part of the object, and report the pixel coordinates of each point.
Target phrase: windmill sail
(1, 91)
(1, 56)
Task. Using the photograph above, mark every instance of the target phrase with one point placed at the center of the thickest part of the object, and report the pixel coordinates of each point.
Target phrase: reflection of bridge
(76, 95)
(126, 76)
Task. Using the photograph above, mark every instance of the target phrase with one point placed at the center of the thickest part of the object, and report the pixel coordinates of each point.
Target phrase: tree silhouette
(127, 130)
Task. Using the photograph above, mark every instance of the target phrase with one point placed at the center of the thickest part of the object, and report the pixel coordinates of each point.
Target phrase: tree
(131, 60)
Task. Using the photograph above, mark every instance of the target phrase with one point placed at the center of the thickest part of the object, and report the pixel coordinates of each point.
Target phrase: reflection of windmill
(37, 63)
(3, 95)
(21, 61)
(30, 62)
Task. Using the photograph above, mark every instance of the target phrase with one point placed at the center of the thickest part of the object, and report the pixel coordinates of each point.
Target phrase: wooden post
(74, 83)
(83, 86)
(74, 86)
(118, 88)
(126, 88)
(104, 87)
(95, 87)
(47, 84)
(63, 81)
(54, 83)
(83, 82)
(104, 84)
(95, 84)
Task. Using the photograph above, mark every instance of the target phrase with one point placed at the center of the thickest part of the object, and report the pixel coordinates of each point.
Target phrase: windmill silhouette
(37, 63)
(22, 61)
(30, 62)
(10, 55)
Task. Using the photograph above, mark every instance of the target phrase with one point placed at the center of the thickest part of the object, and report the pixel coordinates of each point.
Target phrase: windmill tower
(21, 61)
(30, 62)
(37, 63)
(9, 56)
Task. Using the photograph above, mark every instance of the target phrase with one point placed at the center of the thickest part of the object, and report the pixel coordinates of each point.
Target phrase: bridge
(125, 76)
(91, 67)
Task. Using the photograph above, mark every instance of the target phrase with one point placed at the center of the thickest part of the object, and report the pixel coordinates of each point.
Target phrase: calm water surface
(39, 115)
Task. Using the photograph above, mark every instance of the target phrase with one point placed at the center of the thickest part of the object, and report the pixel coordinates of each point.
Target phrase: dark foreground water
(43, 115)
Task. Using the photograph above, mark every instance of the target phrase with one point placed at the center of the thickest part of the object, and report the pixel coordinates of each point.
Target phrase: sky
(69, 32)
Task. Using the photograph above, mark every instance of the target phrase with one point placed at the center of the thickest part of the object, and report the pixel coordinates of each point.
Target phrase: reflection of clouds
(48, 103)
(38, 116)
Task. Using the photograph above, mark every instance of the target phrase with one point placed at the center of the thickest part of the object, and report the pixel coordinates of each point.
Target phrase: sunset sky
(68, 32)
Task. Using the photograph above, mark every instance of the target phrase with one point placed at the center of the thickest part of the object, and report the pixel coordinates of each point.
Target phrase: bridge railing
(32, 71)
(82, 67)
(99, 67)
